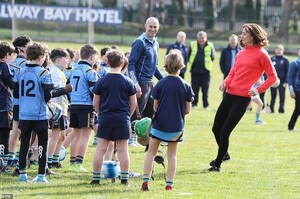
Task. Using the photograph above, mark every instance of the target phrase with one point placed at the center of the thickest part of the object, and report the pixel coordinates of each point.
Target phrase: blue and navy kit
(5, 95)
(172, 93)
(104, 69)
(281, 64)
(114, 90)
(32, 81)
(15, 68)
(83, 79)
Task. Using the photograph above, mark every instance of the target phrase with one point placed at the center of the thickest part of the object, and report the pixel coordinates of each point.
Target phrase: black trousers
(281, 91)
(201, 81)
(41, 129)
(4, 137)
(145, 102)
(296, 112)
(228, 115)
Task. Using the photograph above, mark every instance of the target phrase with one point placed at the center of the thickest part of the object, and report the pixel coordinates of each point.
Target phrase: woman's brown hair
(258, 34)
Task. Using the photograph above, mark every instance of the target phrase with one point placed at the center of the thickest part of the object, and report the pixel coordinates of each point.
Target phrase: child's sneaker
(95, 182)
(259, 122)
(24, 178)
(15, 172)
(168, 187)
(40, 179)
(124, 182)
(145, 186)
(134, 175)
(79, 168)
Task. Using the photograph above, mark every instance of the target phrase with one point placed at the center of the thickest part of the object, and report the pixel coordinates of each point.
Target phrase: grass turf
(265, 160)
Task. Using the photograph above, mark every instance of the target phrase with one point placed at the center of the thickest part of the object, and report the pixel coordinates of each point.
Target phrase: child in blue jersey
(83, 79)
(172, 101)
(34, 89)
(60, 59)
(115, 101)
(257, 100)
(104, 68)
(6, 84)
(20, 43)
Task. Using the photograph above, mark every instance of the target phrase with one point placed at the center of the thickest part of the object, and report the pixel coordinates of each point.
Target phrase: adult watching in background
(201, 55)
(180, 45)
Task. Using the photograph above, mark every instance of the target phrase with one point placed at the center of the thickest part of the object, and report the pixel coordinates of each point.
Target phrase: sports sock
(50, 160)
(96, 175)
(146, 177)
(169, 181)
(72, 160)
(55, 159)
(124, 175)
(11, 155)
(79, 159)
(257, 117)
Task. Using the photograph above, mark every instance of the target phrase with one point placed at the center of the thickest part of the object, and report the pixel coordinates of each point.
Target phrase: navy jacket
(225, 60)
(281, 64)
(143, 60)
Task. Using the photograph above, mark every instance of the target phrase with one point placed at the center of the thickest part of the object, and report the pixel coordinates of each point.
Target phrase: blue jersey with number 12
(32, 80)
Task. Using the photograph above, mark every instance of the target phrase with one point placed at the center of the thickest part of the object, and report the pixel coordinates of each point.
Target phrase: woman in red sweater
(250, 64)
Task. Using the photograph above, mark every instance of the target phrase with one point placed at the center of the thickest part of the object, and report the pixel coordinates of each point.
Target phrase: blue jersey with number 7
(32, 80)
(83, 79)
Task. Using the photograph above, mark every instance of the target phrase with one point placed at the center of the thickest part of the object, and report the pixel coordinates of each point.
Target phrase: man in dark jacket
(180, 45)
(228, 54)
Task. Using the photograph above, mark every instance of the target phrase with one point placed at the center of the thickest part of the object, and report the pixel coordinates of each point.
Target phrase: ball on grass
(62, 153)
(110, 169)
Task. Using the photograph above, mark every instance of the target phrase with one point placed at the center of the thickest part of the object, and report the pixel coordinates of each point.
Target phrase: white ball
(62, 153)
(110, 169)
(276, 84)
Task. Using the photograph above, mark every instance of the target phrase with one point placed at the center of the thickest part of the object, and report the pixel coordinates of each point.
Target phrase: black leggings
(229, 113)
(4, 137)
(41, 129)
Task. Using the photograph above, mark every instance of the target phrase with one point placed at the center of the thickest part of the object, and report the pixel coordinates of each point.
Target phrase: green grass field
(265, 160)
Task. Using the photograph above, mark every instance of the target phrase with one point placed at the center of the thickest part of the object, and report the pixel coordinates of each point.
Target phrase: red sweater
(250, 64)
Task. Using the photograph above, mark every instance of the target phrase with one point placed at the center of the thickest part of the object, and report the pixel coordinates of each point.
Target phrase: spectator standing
(228, 54)
(180, 45)
(201, 56)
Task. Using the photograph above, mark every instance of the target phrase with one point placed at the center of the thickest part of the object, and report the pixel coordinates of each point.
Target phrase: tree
(108, 3)
(145, 9)
(283, 26)
(209, 11)
(232, 20)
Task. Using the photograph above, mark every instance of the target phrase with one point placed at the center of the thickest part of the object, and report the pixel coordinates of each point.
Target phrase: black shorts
(82, 120)
(62, 123)
(16, 113)
(114, 133)
(6, 119)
